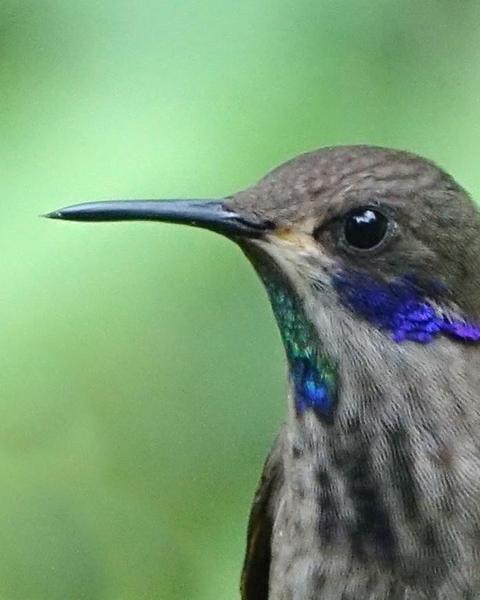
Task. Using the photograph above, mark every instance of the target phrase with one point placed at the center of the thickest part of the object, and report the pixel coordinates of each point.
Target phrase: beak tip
(56, 214)
(77, 212)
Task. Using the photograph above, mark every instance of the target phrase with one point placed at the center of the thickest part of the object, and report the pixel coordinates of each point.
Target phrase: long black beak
(213, 214)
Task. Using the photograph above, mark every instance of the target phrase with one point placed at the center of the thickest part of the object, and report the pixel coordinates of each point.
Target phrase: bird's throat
(313, 375)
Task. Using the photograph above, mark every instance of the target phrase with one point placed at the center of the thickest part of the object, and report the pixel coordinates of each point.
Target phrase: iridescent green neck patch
(312, 373)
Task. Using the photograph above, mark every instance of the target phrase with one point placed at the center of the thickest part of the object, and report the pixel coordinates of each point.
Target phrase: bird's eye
(364, 228)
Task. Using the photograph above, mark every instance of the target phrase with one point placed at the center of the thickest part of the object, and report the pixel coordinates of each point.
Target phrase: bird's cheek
(303, 254)
(295, 246)
(293, 238)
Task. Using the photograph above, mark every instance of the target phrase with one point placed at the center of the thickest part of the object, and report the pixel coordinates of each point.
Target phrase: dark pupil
(365, 228)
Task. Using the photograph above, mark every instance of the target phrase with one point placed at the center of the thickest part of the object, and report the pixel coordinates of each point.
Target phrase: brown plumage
(370, 259)
(385, 502)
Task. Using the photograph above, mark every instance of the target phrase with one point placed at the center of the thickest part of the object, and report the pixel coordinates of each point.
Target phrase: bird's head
(369, 256)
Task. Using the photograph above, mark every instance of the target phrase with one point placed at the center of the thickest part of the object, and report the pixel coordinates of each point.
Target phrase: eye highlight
(365, 228)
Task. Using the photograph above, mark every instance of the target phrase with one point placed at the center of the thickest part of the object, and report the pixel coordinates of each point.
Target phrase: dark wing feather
(256, 567)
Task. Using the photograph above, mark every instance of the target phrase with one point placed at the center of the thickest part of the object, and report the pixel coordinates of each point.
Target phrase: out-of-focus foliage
(141, 371)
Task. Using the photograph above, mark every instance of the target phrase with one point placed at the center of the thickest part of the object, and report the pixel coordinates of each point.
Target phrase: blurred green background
(141, 373)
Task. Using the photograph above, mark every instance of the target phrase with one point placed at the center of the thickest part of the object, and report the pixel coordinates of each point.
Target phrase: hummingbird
(370, 259)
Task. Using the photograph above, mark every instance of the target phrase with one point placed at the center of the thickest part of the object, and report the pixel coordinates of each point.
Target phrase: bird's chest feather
(351, 525)
(329, 532)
